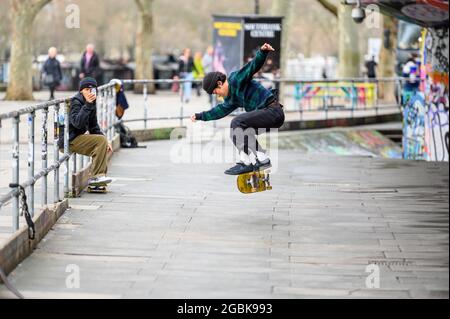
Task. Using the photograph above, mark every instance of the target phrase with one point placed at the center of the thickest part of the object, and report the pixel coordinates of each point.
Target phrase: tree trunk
(387, 58)
(144, 44)
(349, 55)
(20, 84)
(283, 8)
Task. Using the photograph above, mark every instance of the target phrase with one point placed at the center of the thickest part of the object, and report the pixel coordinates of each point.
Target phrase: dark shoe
(239, 169)
(263, 165)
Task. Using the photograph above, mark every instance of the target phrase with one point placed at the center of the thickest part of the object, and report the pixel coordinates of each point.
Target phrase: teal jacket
(243, 91)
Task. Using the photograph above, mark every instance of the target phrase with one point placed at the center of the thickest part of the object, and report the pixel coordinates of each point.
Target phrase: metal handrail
(326, 108)
(106, 112)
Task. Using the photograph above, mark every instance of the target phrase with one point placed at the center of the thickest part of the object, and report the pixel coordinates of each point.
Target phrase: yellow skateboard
(254, 182)
(98, 188)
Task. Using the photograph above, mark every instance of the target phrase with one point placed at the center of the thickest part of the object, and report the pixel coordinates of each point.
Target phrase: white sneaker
(99, 180)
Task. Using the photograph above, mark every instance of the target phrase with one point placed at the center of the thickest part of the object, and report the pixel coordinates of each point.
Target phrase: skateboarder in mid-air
(263, 111)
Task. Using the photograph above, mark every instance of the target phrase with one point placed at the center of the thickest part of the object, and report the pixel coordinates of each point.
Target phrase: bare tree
(23, 13)
(144, 43)
(349, 55)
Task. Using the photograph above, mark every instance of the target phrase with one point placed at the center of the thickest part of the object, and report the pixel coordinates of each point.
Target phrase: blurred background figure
(185, 70)
(52, 72)
(371, 67)
(207, 63)
(199, 72)
(90, 64)
(411, 73)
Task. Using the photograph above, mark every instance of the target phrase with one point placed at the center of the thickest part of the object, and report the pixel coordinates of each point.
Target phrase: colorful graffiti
(350, 94)
(426, 115)
(414, 128)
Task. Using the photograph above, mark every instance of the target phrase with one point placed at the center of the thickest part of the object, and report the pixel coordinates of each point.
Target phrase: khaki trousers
(95, 146)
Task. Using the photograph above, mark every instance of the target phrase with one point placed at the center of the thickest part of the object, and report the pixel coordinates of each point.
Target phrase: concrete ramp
(363, 142)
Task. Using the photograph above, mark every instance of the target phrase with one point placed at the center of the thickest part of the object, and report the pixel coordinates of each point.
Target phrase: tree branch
(140, 6)
(37, 5)
(329, 7)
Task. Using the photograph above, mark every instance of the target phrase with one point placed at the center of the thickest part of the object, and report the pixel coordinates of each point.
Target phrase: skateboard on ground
(254, 182)
(97, 188)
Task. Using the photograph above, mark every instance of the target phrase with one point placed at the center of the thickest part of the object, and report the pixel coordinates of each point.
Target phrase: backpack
(127, 140)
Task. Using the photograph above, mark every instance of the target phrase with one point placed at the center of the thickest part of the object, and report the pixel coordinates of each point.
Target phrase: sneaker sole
(264, 167)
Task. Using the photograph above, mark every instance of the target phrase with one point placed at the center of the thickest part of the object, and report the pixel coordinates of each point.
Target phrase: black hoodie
(82, 119)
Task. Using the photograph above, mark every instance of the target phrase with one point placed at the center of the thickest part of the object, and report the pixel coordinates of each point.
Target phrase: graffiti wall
(426, 114)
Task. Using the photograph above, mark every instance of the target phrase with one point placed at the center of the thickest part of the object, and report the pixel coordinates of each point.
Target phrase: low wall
(19, 247)
(342, 122)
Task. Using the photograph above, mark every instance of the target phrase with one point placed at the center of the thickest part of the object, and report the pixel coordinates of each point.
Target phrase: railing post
(44, 154)
(377, 83)
(74, 163)
(183, 86)
(144, 88)
(31, 160)
(181, 113)
(112, 112)
(354, 97)
(66, 147)
(56, 154)
(15, 171)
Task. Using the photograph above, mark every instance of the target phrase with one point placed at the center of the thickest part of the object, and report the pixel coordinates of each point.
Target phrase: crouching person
(85, 135)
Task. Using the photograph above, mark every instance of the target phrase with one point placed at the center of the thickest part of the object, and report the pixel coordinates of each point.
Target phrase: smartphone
(94, 91)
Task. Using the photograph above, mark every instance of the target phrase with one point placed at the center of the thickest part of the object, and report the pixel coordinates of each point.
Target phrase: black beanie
(210, 81)
(87, 83)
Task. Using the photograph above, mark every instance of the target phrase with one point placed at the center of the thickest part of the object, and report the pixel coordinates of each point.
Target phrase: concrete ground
(164, 103)
(172, 227)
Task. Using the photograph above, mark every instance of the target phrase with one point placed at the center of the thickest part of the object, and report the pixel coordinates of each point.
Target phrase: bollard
(15, 171)
(44, 155)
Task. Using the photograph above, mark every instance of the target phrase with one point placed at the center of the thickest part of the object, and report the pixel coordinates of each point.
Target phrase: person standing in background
(411, 75)
(90, 64)
(52, 72)
(371, 67)
(198, 71)
(185, 70)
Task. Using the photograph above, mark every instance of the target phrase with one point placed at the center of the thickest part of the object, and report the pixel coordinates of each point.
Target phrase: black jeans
(245, 127)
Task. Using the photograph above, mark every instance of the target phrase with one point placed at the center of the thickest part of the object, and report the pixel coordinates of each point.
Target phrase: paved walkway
(184, 231)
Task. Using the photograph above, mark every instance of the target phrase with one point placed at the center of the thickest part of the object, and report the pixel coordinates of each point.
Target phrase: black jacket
(93, 68)
(82, 119)
(184, 67)
(53, 68)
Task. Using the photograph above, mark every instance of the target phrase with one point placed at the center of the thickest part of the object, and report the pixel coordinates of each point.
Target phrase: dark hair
(222, 78)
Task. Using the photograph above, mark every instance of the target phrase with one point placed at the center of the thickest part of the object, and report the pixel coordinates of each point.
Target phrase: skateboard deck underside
(253, 182)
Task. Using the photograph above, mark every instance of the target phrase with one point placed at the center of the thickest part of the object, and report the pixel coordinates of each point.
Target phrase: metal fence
(60, 109)
(302, 96)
